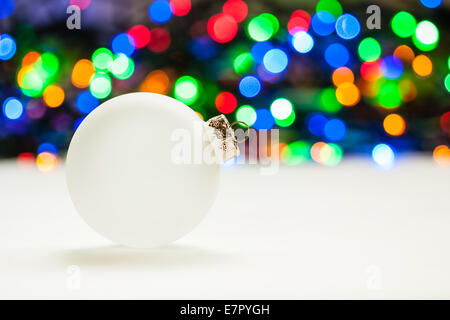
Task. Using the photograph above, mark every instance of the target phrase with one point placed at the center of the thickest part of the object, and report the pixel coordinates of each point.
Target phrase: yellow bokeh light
(46, 161)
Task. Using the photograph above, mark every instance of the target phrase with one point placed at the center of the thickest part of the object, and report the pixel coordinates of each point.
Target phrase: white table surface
(308, 232)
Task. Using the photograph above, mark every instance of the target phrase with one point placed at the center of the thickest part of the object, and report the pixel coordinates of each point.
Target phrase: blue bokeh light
(383, 155)
(123, 43)
(391, 67)
(316, 124)
(322, 23)
(47, 147)
(77, 123)
(431, 3)
(203, 48)
(6, 8)
(302, 42)
(275, 61)
(13, 108)
(86, 102)
(259, 50)
(335, 130)
(347, 26)
(7, 46)
(337, 55)
(159, 11)
(249, 86)
(264, 120)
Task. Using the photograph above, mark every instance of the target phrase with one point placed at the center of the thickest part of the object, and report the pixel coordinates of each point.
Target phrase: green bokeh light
(296, 153)
(369, 49)
(47, 67)
(187, 89)
(447, 82)
(332, 6)
(335, 155)
(122, 67)
(243, 63)
(403, 24)
(261, 28)
(389, 95)
(246, 114)
(102, 58)
(100, 86)
(286, 122)
(32, 85)
(328, 101)
(426, 36)
(273, 20)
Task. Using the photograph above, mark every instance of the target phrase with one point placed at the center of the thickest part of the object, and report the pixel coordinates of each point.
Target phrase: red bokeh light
(297, 24)
(25, 159)
(236, 8)
(445, 122)
(222, 28)
(141, 35)
(301, 14)
(226, 102)
(371, 71)
(299, 21)
(159, 40)
(180, 7)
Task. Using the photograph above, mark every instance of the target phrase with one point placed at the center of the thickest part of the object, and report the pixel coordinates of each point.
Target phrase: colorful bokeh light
(369, 49)
(13, 108)
(383, 155)
(249, 86)
(302, 42)
(403, 24)
(225, 102)
(160, 11)
(347, 26)
(187, 89)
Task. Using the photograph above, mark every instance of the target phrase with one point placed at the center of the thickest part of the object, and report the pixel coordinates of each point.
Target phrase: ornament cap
(221, 136)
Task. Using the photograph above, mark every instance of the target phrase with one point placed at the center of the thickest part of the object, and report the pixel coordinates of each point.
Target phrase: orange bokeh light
(394, 124)
(404, 53)
(347, 94)
(341, 75)
(82, 73)
(156, 81)
(53, 96)
(200, 115)
(422, 65)
(441, 155)
(316, 151)
(30, 58)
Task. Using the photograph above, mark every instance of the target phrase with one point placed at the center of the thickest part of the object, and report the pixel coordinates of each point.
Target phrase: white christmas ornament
(137, 172)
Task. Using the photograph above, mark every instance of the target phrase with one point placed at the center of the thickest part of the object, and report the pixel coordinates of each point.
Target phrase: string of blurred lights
(307, 75)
